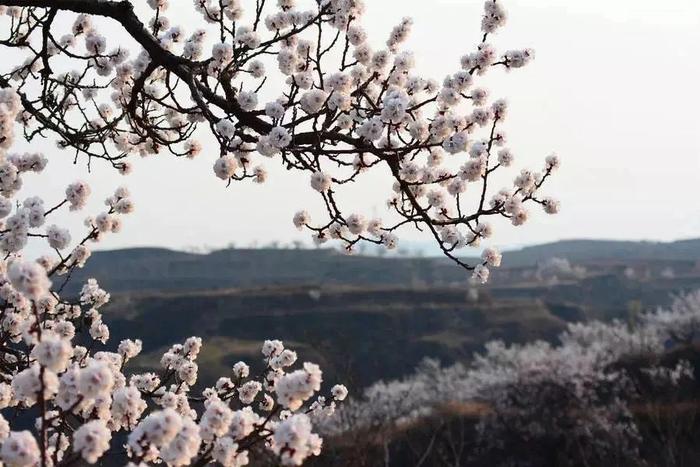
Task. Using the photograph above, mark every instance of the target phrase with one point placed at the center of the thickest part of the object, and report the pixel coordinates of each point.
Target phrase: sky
(613, 90)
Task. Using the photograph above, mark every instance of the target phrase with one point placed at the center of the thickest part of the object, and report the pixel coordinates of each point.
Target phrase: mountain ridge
(148, 268)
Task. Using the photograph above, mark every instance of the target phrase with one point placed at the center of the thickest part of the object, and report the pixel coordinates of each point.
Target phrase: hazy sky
(613, 90)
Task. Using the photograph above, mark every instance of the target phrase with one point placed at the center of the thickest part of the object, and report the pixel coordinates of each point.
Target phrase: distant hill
(160, 269)
(137, 269)
(586, 251)
(358, 333)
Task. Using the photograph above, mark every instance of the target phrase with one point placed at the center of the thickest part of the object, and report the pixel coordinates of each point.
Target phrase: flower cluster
(65, 380)
(341, 106)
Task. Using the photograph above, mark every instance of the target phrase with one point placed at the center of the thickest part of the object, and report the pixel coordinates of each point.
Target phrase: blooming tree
(55, 370)
(545, 404)
(681, 321)
(329, 106)
(387, 405)
(82, 397)
(553, 405)
(300, 84)
(554, 269)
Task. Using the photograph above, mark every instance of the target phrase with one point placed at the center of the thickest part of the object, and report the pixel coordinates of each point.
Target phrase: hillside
(367, 317)
(586, 251)
(358, 334)
(154, 269)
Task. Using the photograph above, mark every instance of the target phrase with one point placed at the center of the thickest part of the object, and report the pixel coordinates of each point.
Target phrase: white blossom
(29, 278)
(20, 449)
(225, 167)
(294, 441)
(77, 194)
(91, 440)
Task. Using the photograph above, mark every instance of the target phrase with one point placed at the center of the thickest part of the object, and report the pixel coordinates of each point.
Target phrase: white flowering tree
(680, 323)
(81, 397)
(603, 395)
(55, 373)
(297, 84)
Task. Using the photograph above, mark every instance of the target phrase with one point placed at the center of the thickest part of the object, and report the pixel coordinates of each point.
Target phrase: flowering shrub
(544, 404)
(555, 269)
(551, 404)
(386, 405)
(679, 323)
(297, 82)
